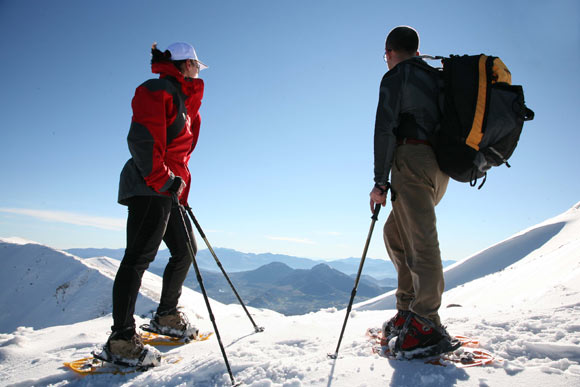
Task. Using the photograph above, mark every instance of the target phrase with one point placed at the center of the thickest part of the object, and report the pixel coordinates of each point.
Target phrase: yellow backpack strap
(476, 132)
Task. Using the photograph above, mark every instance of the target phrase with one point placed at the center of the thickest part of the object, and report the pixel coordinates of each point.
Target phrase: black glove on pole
(200, 280)
(374, 218)
(190, 212)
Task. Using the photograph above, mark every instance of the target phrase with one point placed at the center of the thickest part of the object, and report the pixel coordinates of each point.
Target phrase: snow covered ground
(521, 298)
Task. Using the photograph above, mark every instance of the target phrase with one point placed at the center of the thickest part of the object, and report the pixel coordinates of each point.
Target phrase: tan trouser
(410, 232)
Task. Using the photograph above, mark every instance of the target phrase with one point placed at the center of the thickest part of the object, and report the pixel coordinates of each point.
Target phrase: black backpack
(482, 116)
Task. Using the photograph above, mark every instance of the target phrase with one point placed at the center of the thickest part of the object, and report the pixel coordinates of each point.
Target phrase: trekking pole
(200, 280)
(374, 218)
(190, 212)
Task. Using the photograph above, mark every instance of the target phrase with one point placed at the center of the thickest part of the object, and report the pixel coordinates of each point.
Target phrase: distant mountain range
(289, 285)
(236, 261)
(278, 287)
(286, 284)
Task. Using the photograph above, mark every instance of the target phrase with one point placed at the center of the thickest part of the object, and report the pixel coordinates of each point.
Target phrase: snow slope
(44, 287)
(521, 297)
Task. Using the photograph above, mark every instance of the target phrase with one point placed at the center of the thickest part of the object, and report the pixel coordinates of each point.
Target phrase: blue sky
(284, 160)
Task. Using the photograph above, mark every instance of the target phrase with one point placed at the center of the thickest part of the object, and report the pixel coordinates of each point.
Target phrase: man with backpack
(406, 120)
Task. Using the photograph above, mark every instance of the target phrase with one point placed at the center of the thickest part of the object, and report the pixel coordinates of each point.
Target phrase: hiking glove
(177, 186)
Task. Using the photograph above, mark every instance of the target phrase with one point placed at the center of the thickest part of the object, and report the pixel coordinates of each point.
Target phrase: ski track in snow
(527, 313)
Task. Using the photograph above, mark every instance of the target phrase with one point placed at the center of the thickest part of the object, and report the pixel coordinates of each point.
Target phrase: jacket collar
(167, 69)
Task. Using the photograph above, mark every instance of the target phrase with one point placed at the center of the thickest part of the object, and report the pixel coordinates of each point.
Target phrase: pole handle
(375, 216)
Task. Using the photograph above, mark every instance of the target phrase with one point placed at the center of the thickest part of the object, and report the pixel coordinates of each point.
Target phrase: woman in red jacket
(164, 131)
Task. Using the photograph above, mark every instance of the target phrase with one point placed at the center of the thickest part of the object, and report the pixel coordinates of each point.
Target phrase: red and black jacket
(164, 131)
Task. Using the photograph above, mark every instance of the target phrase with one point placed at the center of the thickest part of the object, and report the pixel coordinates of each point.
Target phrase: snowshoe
(149, 357)
(468, 355)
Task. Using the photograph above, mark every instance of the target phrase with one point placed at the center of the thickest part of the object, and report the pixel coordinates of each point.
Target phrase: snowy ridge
(520, 297)
(18, 241)
(68, 288)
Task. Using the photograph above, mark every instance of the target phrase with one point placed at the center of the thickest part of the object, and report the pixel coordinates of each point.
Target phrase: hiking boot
(392, 327)
(420, 337)
(126, 348)
(174, 325)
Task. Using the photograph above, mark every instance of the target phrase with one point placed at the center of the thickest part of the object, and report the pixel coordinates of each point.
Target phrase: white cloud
(287, 239)
(330, 233)
(71, 218)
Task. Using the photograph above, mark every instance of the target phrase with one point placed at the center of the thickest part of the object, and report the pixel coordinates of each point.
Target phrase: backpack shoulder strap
(438, 71)
(431, 57)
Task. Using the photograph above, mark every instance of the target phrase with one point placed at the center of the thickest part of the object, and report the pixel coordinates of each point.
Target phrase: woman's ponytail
(158, 56)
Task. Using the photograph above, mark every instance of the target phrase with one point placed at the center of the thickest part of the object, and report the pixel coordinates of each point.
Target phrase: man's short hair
(403, 39)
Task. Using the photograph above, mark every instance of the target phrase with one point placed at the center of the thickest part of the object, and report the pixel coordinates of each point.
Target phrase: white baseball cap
(182, 51)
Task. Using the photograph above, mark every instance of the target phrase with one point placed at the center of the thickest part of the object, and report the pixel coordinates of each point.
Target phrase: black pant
(151, 219)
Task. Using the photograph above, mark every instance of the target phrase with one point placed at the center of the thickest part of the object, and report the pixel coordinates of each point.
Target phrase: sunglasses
(385, 55)
(195, 63)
